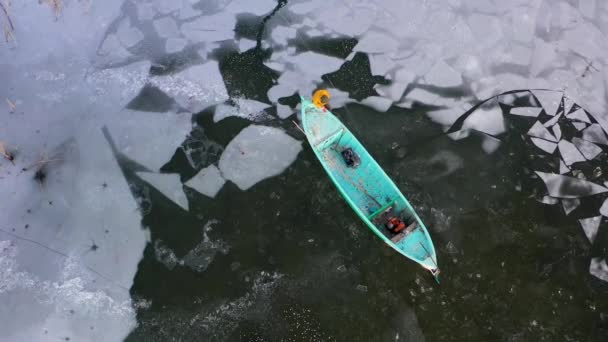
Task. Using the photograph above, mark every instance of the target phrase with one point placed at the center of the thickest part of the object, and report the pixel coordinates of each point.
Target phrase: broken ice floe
(208, 181)
(563, 168)
(487, 120)
(570, 154)
(569, 187)
(595, 133)
(443, 75)
(604, 208)
(544, 145)
(244, 108)
(590, 227)
(549, 100)
(557, 131)
(599, 269)
(378, 103)
(579, 115)
(588, 149)
(150, 138)
(526, 111)
(579, 125)
(540, 131)
(246, 44)
(570, 204)
(169, 184)
(195, 88)
(257, 153)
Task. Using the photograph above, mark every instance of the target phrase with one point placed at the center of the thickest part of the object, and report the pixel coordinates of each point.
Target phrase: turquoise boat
(366, 187)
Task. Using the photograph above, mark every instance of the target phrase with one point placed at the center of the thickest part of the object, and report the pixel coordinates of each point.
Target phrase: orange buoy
(321, 98)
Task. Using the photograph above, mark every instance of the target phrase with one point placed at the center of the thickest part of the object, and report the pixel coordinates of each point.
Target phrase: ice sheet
(166, 27)
(443, 75)
(594, 133)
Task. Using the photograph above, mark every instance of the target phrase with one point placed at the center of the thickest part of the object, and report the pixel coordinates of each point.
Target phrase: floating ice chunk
(128, 36)
(490, 144)
(557, 131)
(550, 100)
(258, 7)
(195, 88)
(378, 103)
(548, 200)
(208, 181)
(145, 10)
(570, 154)
(599, 269)
(570, 204)
(544, 145)
(168, 184)
(568, 103)
(487, 120)
(579, 125)
(590, 227)
(588, 149)
(604, 208)
(563, 168)
(422, 96)
(569, 187)
(595, 133)
(257, 153)
(167, 6)
(376, 42)
(338, 98)
(283, 89)
(553, 120)
(526, 111)
(245, 108)
(246, 44)
(166, 27)
(174, 45)
(579, 115)
(150, 138)
(275, 66)
(316, 63)
(443, 75)
(284, 112)
(543, 56)
(211, 28)
(395, 90)
(540, 131)
(281, 34)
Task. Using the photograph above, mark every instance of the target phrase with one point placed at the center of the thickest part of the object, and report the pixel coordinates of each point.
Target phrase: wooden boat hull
(366, 188)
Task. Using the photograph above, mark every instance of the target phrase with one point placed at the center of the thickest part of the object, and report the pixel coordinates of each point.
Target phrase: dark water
(288, 260)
